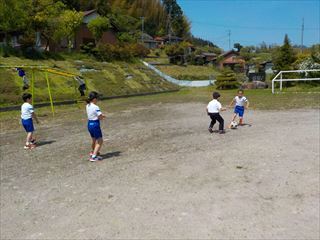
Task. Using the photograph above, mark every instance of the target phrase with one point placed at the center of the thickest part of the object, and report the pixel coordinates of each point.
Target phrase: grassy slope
(110, 79)
(191, 72)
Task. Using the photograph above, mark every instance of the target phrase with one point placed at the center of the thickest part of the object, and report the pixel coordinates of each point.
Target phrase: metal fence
(281, 79)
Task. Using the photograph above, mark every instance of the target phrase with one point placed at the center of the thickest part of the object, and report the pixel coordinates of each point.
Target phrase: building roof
(233, 61)
(228, 52)
(86, 13)
(209, 54)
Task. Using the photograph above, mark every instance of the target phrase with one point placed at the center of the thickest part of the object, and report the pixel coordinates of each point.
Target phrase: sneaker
(97, 158)
(91, 153)
(222, 131)
(26, 147)
(210, 130)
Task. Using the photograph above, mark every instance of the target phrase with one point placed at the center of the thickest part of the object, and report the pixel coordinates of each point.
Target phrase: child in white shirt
(94, 116)
(213, 110)
(27, 114)
(241, 103)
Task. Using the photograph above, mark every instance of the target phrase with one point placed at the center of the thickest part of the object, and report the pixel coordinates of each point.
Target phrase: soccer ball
(233, 125)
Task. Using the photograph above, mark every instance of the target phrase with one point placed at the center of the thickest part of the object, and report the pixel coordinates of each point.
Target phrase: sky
(253, 21)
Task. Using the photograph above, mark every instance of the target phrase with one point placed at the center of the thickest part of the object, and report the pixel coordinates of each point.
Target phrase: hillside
(109, 79)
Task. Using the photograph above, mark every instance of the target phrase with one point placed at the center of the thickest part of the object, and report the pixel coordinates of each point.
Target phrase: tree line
(57, 19)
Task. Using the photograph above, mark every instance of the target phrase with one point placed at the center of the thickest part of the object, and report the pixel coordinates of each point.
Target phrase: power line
(255, 27)
(248, 1)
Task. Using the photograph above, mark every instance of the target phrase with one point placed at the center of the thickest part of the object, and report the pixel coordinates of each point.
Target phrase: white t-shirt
(93, 111)
(214, 106)
(240, 101)
(26, 111)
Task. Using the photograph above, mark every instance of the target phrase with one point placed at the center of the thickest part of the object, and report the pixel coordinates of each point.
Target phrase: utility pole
(142, 28)
(229, 35)
(169, 28)
(302, 31)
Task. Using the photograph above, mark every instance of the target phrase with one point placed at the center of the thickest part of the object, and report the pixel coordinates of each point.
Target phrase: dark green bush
(227, 80)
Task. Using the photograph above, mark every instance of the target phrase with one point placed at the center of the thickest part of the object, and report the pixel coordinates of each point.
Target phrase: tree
(180, 25)
(98, 26)
(45, 18)
(227, 80)
(177, 52)
(13, 16)
(238, 46)
(69, 21)
(285, 56)
(247, 52)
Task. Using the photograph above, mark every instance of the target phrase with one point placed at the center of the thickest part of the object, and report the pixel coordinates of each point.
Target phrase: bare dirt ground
(165, 176)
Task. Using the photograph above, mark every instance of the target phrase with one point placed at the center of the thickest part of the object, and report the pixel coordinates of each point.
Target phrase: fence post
(281, 81)
(32, 86)
(49, 91)
(272, 86)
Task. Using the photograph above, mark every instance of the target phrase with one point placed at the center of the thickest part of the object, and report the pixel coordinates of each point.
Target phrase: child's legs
(28, 126)
(213, 121)
(29, 138)
(93, 144)
(234, 117)
(96, 135)
(221, 121)
(241, 113)
(98, 145)
(25, 80)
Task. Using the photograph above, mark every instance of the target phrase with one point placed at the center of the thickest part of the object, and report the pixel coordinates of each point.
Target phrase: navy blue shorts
(28, 125)
(94, 129)
(239, 110)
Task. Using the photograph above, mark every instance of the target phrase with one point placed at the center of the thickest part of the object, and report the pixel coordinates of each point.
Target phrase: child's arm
(247, 104)
(232, 102)
(34, 116)
(101, 116)
(223, 109)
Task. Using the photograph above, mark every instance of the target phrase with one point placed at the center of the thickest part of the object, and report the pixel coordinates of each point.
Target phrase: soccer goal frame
(281, 79)
(45, 70)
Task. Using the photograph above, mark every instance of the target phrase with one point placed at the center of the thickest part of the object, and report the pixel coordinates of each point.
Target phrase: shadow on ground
(110, 155)
(42, 143)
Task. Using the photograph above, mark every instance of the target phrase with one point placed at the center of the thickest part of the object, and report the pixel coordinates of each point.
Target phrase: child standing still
(27, 114)
(241, 103)
(213, 110)
(94, 117)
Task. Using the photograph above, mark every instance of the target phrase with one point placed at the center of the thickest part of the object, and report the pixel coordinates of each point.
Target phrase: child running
(25, 80)
(27, 114)
(213, 110)
(241, 103)
(94, 117)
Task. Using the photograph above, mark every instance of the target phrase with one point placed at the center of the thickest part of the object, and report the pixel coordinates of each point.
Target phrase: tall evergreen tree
(179, 24)
(285, 56)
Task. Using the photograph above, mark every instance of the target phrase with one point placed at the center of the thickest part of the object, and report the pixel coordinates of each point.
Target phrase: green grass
(190, 72)
(259, 100)
(110, 79)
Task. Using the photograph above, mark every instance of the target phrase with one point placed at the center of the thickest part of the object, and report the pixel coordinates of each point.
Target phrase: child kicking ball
(213, 110)
(27, 114)
(241, 103)
(94, 116)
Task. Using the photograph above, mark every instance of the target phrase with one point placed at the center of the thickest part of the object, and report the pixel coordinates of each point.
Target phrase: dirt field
(165, 176)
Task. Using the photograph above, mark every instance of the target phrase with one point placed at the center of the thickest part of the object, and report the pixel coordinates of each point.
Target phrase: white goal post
(281, 79)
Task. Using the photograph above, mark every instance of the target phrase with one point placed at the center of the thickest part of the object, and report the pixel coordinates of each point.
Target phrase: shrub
(227, 80)
(121, 52)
